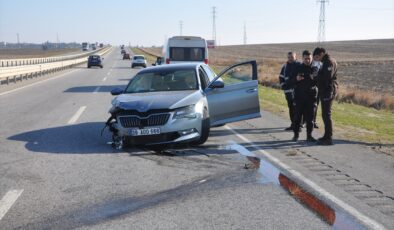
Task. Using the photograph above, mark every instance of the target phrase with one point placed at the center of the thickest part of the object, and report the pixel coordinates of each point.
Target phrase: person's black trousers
(305, 106)
(326, 107)
(290, 104)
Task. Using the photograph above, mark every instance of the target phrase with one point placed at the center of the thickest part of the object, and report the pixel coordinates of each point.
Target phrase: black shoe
(325, 142)
(323, 138)
(310, 139)
(315, 125)
(289, 128)
(295, 138)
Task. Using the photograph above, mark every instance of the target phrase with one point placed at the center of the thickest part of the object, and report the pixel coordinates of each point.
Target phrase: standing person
(286, 78)
(316, 63)
(305, 96)
(327, 84)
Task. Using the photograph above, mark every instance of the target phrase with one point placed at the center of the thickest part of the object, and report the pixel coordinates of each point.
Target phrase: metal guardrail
(15, 73)
(34, 61)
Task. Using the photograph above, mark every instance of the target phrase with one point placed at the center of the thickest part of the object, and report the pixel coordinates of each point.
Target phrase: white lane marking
(349, 209)
(8, 200)
(75, 117)
(104, 79)
(36, 83)
(108, 73)
(96, 89)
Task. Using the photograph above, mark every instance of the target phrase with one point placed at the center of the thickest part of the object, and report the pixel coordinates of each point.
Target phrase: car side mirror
(217, 84)
(116, 91)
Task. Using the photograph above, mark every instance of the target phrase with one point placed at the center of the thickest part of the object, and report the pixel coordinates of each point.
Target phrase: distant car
(126, 56)
(138, 60)
(123, 51)
(95, 60)
(181, 102)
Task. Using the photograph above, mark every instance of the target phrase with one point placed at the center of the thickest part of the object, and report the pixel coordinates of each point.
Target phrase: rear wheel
(205, 129)
(88, 66)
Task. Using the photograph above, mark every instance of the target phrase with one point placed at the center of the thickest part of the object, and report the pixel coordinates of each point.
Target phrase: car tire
(205, 129)
(144, 66)
(132, 66)
(101, 66)
(89, 66)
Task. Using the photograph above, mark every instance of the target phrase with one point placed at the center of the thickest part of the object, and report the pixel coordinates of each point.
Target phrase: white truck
(85, 46)
(180, 49)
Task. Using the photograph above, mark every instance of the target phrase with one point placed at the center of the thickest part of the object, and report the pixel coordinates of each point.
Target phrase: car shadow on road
(82, 138)
(93, 88)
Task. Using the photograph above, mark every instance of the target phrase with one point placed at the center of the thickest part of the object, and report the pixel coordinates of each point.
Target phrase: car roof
(139, 56)
(170, 68)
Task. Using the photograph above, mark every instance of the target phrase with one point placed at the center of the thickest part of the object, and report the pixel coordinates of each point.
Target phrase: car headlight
(189, 111)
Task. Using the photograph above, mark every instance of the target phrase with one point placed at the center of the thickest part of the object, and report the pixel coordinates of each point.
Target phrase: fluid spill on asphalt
(268, 173)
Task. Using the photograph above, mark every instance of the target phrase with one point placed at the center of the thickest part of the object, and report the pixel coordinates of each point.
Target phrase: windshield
(164, 81)
(139, 58)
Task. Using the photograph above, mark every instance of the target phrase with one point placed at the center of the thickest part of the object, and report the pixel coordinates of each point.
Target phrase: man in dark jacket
(327, 84)
(305, 96)
(287, 75)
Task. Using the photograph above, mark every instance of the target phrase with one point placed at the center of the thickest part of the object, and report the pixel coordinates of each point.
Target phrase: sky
(148, 23)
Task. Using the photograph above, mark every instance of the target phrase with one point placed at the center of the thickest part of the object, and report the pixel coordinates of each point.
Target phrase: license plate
(144, 132)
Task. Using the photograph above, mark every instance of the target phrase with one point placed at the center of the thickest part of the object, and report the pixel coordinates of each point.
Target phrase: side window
(203, 78)
(239, 73)
(211, 75)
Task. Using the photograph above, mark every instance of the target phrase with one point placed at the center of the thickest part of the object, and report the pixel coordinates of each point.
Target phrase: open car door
(233, 95)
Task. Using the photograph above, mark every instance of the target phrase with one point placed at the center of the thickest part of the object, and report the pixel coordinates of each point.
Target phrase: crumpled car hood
(143, 102)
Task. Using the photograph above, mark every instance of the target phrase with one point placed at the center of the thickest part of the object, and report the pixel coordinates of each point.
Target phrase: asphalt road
(58, 172)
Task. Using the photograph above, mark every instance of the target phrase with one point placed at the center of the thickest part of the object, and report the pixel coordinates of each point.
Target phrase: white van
(180, 49)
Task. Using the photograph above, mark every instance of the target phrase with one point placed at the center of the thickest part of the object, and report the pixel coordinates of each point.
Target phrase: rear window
(94, 57)
(187, 53)
(139, 58)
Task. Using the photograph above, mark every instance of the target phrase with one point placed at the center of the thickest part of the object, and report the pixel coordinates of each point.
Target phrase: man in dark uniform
(327, 84)
(305, 96)
(287, 74)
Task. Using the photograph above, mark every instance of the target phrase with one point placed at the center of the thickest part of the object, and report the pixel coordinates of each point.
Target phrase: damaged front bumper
(173, 131)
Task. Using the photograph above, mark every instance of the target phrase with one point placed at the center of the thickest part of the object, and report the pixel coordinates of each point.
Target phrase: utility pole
(214, 23)
(321, 37)
(57, 40)
(180, 27)
(245, 38)
(17, 39)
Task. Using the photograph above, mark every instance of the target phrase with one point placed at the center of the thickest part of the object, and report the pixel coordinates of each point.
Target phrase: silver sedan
(181, 102)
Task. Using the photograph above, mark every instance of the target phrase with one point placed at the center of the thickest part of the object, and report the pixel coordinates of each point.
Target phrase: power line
(214, 23)
(321, 37)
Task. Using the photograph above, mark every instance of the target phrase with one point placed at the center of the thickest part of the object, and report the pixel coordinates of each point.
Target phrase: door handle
(251, 90)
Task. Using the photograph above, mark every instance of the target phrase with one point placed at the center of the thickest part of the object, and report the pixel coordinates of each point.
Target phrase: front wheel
(205, 129)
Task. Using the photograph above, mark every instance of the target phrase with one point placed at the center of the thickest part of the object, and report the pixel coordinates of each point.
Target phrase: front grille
(151, 120)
